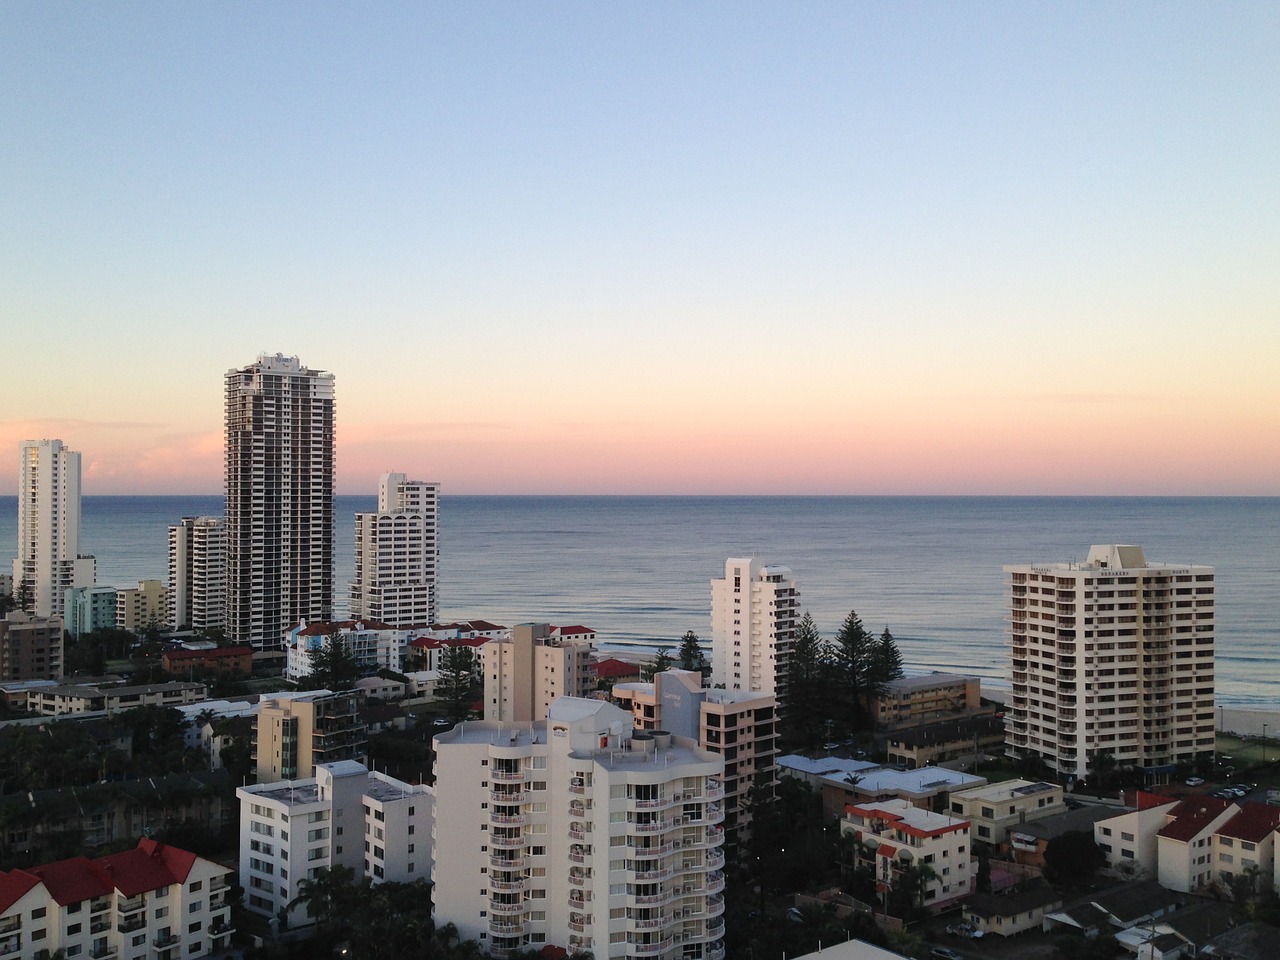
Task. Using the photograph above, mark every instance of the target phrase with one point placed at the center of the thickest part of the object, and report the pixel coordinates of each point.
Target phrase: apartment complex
(396, 553)
(346, 816)
(85, 609)
(1111, 655)
(375, 646)
(197, 573)
(57, 701)
(739, 726)
(154, 902)
(912, 700)
(279, 499)
(582, 833)
(30, 647)
(296, 732)
(143, 607)
(893, 836)
(48, 561)
(527, 671)
(996, 809)
(754, 610)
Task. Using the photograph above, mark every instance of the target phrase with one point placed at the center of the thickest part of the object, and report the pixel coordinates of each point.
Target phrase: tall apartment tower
(197, 573)
(396, 552)
(48, 562)
(579, 832)
(527, 671)
(279, 509)
(1113, 655)
(753, 617)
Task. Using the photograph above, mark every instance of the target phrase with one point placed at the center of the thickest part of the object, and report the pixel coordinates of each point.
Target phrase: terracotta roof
(70, 881)
(14, 886)
(614, 667)
(1255, 822)
(324, 629)
(136, 871)
(1192, 816)
(1142, 800)
(885, 850)
(178, 861)
(571, 631)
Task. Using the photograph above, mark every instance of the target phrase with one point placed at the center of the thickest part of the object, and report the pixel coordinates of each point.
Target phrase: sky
(669, 248)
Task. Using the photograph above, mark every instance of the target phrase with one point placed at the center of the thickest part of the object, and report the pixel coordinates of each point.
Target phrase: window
(73, 929)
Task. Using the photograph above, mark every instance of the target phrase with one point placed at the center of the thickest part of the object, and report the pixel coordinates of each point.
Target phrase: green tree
(333, 665)
(806, 702)
(330, 896)
(661, 663)
(886, 664)
(457, 665)
(853, 659)
(691, 656)
(1072, 858)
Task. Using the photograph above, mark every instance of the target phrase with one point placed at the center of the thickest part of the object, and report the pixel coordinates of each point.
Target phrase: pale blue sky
(606, 231)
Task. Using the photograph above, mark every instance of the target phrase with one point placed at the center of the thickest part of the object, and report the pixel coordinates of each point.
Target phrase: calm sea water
(637, 569)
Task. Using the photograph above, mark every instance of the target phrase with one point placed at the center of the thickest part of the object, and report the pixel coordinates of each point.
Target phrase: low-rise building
(812, 770)
(217, 661)
(997, 808)
(894, 837)
(1184, 845)
(1246, 843)
(933, 743)
(1012, 911)
(1128, 839)
(1028, 841)
(30, 647)
(375, 646)
(154, 902)
(914, 700)
(144, 607)
(929, 788)
(86, 698)
(377, 826)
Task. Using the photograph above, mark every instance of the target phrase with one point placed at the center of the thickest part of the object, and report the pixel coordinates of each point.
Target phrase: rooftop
(1192, 816)
(925, 781)
(824, 765)
(928, 681)
(1007, 790)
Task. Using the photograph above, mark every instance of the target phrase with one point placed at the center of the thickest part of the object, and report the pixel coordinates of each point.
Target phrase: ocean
(637, 569)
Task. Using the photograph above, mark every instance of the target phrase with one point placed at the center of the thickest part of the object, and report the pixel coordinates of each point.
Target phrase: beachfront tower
(754, 609)
(279, 499)
(197, 573)
(1111, 656)
(48, 562)
(396, 553)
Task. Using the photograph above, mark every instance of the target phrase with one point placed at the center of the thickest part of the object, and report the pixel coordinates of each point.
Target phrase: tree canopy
(691, 656)
(333, 665)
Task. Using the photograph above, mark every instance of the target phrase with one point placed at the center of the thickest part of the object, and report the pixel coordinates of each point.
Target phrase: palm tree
(328, 896)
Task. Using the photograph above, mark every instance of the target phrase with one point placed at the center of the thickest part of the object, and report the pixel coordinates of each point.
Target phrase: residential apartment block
(537, 664)
(376, 825)
(579, 832)
(86, 609)
(738, 725)
(996, 809)
(296, 732)
(1111, 655)
(279, 499)
(397, 548)
(30, 647)
(154, 902)
(69, 699)
(893, 835)
(48, 563)
(913, 700)
(144, 607)
(754, 610)
(1128, 839)
(375, 646)
(197, 573)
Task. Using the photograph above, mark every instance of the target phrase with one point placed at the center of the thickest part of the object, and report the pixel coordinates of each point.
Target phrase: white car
(1195, 781)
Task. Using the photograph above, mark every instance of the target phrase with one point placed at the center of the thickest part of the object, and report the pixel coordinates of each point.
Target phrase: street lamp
(1264, 743)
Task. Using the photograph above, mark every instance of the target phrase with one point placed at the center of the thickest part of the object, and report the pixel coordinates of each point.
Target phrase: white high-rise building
(49, 561)
(396, 552)
(279, 509)
(197, 573)
(1113, 655)
(754, 609)
(579, 832)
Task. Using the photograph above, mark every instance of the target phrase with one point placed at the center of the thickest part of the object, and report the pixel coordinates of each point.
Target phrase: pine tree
(456, 677)
(661, 663)
(691, 656)
(886, 665)
(333, 666)
(853, 656)
(807, 677)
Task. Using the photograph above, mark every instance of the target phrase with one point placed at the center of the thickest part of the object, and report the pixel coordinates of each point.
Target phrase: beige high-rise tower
(1115, 656)
(279, 508)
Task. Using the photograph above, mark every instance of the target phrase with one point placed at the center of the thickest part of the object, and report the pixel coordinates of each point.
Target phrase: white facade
(396, 553)
(279, 499)
(894, 835)
(1128, 840)
(579, 832)
(526, 672)
(753, 615)
(376, 825)
(1111, 655)
(376, 646)
(197, 573)
(48, 563)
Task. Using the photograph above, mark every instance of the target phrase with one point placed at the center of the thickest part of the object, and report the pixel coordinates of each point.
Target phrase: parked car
(964, 930)
(1244, 787)
(946, 953)
(1195, 781)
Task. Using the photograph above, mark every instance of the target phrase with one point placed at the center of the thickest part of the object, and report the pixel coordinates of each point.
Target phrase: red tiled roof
(616, 668)
(1254, 823)
(1192, 816)
(70, 881)
(177, 860)
(136, 871)
(221, 653)
(1141, 800)
(324, 629)
(885, 850)
(14, 886)
(571, 631)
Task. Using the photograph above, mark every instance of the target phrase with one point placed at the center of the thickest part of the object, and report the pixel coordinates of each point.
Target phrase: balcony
(648, 923)
(715, 789)
(512, 798)
(11, 943)
(506, 927)
(506, 886)
(507, 863)
(103, 952)
(507, 843)
(220, 928)
(508, 819)
(501, 907)
(130, 905)
(661, 873)
(650, 826)
(165, 941)
(715, 952)
(650, 949)
(130, 924)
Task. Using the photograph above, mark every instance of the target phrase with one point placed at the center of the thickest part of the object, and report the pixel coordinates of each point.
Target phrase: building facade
(279, 499)
(86, 609)
(144, 607)
(48, 563)
(995, 809)
(538, 663)
(30, 647)
(375, 646)
(346, 816)
(197, 573)
(397, 549)
(579, 832)
(892, 836)
(296, 732)
(1113, 655)
(154, 902)
(754, 610)
(912, 700)
(735, 724)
